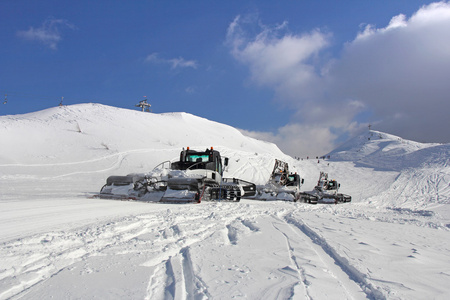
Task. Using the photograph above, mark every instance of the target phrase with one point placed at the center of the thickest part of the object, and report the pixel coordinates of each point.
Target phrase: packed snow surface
(391, 242)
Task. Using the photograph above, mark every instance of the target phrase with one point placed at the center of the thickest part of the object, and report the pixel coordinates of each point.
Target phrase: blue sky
(303, 74)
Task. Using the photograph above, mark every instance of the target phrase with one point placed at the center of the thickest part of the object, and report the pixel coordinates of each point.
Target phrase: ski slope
(391, 242)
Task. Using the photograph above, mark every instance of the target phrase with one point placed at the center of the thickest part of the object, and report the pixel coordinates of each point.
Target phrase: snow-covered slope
(89, 142)
(391, 242)
(72, 133)
(418, 174)
(381, 150)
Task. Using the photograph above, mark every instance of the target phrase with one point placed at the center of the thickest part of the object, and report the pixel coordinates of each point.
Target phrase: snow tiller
(197, 176)
(282, 185)
(326, 191)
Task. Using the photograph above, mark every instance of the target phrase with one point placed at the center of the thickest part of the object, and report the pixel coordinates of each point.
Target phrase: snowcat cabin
(293, 180)
(332, 185)
(190, 159)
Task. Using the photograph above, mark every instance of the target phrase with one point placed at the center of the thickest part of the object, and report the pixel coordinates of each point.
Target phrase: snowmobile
(196, 176)
(326, 191)
(282, 185)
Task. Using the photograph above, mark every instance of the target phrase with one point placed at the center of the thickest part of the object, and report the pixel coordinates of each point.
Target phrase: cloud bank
(401, 73)
(394, 77)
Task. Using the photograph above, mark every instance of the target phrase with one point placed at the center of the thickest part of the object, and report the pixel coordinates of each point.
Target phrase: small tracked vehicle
(282, 185)
(326, 191)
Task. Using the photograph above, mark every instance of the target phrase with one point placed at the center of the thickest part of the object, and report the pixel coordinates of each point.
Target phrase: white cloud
(398, 21)
(190, 90)
(49, 33)
(274, 60)
(402, 70)
(288, 63)
(152, 58)
(182, 63)
(399, 73)
(174, 62)
(295, 139)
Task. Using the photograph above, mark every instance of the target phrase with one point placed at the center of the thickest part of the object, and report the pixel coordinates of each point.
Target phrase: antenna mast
(144, 105)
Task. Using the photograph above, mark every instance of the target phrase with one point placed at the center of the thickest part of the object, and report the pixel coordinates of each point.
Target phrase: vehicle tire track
(53, 252)
(298, 269)
(195, 287)
(355, 275)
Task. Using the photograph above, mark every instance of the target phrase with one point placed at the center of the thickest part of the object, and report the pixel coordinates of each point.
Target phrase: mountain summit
(90, 131)
(383, 150)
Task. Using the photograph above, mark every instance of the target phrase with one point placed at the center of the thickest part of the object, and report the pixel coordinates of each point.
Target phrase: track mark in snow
(250, 225)
(180, 280)
(239, 226)
(298, 271)
(188, 273)
(155, 287)
(397, 284)
(232, 234)
(172, 284)
(195, 287)
(54, 252)
(341, 262)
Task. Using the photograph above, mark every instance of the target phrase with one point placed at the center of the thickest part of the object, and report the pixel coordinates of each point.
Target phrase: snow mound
(76, 132)
(406, 173)
(386, 151)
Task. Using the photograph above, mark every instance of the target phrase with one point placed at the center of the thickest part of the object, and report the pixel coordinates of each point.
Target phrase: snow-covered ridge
(382, 150)
(70, 133)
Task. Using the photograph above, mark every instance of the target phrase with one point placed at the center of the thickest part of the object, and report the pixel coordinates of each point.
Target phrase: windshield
(197, 158)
